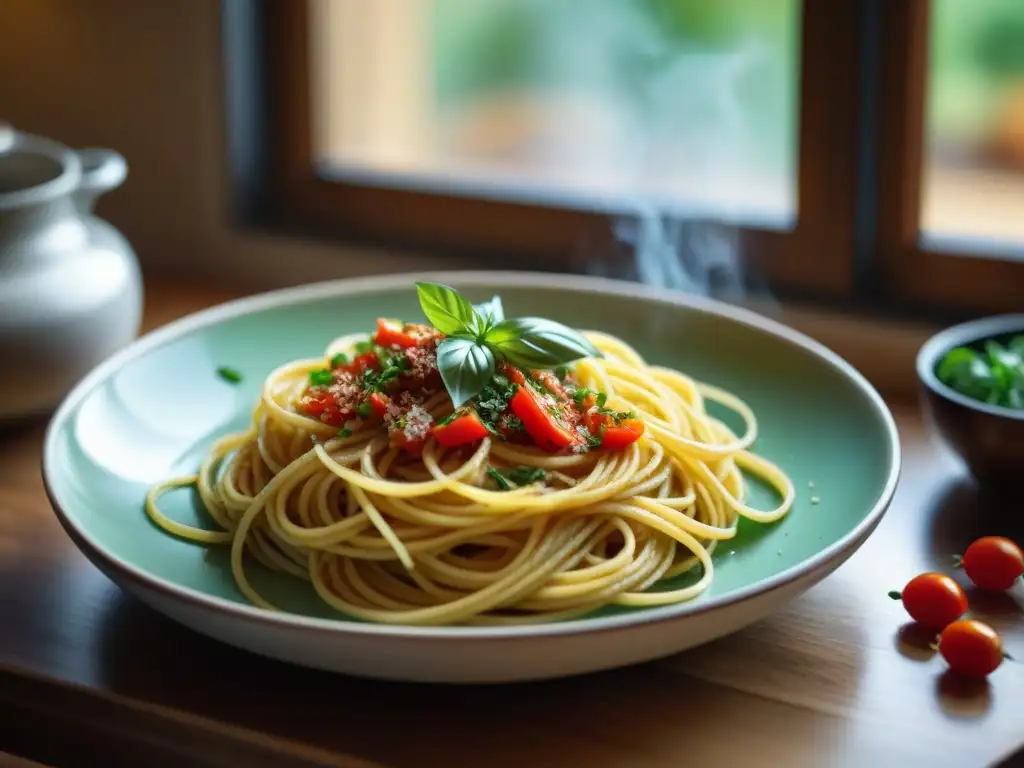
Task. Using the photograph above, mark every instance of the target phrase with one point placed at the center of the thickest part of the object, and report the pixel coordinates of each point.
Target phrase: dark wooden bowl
(989, 438)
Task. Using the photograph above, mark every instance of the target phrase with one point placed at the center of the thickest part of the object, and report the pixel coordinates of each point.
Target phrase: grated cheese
(417, 423)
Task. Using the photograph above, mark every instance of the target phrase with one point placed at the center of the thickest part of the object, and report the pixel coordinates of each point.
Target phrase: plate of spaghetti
(470, 477)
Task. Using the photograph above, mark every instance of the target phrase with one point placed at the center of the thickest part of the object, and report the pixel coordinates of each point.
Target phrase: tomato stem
(958, 561)
(895, 595)
(1008, 656)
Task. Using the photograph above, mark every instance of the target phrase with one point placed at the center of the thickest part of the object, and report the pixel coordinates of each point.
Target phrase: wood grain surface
(89, 675)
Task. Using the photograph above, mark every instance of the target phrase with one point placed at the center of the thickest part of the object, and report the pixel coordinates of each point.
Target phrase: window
(973, 186)
(838, 145)
(949, 224)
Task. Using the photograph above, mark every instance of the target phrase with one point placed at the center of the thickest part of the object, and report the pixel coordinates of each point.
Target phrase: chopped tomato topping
(323, 406)
(617, 437)
(379, 403)
(551, 383)
(368, 361)
(512, 373)
(464, 429)
(540, 423)
(316, 404)
(389, 387)
(391, 334)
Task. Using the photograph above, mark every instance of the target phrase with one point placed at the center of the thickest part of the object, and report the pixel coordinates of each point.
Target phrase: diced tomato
(390, 334)
(315, 404)
(368, 361)
(550, 382)
(542, 426)
(464, 429)
(322, 406)
(379, 403)
(617, 436)
(514, 434)
(512, 373)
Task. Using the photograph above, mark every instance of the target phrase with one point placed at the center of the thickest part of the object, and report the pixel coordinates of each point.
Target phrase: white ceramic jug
(70, 290)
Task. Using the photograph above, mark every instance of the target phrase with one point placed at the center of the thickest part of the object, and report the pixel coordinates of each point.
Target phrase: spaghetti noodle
(496, 530)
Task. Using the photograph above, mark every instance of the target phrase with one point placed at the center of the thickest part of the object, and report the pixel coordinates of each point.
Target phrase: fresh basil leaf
(466, 367)
(535, 342)
(490, 312)
(447, 309)
(968, 373)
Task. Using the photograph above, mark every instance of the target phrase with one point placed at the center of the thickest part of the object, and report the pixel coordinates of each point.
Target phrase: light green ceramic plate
(152, 411)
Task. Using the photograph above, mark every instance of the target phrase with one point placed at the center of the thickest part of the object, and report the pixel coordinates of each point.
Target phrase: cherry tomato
(933, 600)
(971, 648)
(993, 563)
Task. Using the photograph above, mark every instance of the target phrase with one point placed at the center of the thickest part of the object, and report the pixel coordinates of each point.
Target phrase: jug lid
(34, 169)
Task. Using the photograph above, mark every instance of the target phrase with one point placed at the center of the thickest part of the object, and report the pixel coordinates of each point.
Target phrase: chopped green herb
(229, 375)
(377, 381)
(526, 475)
(362, 347)
(499, 479)
(593, 441)
(512, 423)
(602, 398)
(364, 409)
(339, 360)
(536, 385)
(581, 394)
(449, 418)
(321, 378)
(493, 400)
(346, 432)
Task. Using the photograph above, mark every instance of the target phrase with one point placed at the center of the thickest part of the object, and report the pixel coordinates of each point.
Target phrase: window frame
(856, 238)
(915, 270)
(815, 256)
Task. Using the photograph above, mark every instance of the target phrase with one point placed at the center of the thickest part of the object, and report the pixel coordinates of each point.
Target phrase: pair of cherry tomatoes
(935, 601)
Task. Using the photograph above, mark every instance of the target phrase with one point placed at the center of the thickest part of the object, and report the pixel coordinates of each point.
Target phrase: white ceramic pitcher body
(70, 289)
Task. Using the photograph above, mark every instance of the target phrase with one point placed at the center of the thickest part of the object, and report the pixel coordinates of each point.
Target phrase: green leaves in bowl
(993, 374)
(479, 337)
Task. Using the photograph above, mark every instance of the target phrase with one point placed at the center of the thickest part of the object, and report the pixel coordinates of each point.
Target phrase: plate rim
(839, 550)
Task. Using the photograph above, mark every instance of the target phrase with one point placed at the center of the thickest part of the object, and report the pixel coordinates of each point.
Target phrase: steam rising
(683, 159)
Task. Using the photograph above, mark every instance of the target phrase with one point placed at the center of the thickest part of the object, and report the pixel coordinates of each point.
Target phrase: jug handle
(102, 171)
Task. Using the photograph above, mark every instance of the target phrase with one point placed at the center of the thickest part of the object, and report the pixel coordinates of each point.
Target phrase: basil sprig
(478, 337)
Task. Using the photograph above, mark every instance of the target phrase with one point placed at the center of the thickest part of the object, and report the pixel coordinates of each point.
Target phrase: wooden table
(89, 675)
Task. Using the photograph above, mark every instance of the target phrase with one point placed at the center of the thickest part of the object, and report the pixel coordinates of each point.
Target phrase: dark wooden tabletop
(89, 675)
